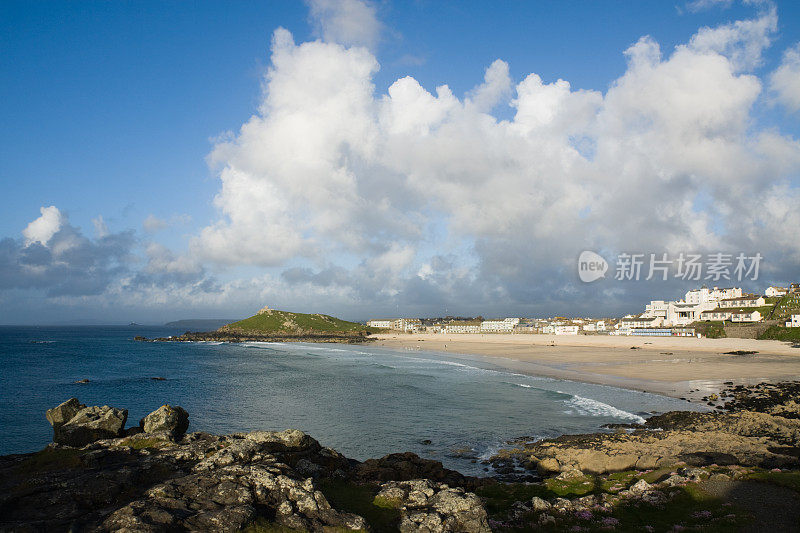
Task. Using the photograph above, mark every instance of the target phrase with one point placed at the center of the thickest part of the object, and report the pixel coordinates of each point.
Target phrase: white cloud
(785, 81)
(43, 228)
(742, 42)
(329, 172)
(347, 22)
(701, 5)
(153, 224)
(100, 226)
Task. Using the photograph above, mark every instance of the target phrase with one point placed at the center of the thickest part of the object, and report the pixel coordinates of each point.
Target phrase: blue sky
(111, 109)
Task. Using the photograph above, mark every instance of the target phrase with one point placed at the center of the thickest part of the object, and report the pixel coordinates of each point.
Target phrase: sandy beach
(674, 366)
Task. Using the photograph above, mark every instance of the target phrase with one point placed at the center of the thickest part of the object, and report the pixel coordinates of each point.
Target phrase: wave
(587, 406)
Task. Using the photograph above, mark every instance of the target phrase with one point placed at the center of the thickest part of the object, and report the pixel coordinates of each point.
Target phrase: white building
(407, 324)
(590, 327)
(565, 330)
(462, 328)
(705, 295)
(746, 316)
(716, 314)
(691, 308)
(499, 326)
(641, 321)
(601, 325)
(750, 300)
(383, 324)
(794, 322)
(775, 291)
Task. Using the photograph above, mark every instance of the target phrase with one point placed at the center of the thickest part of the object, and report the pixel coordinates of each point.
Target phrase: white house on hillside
(750, 300)
(775, 291)
(691, 308)
(794, 322)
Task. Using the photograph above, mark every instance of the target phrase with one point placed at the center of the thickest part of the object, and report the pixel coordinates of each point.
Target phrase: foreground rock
(91, 424)
(428, 506)
(173, 420)
(158, 479)
(746, 438)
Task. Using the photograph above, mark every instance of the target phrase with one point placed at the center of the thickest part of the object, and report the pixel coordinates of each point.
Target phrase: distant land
(195, 324)
(273, 325)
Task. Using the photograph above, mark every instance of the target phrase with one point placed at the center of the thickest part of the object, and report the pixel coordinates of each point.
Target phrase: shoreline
(677, 367)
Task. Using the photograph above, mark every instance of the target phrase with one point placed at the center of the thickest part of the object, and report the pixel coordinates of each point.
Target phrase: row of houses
(553, 326)
(660, 317)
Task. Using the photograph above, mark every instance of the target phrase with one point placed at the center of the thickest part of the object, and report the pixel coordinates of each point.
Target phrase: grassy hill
(271, 321)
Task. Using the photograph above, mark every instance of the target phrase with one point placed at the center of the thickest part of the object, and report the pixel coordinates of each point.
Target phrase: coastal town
(701, 312)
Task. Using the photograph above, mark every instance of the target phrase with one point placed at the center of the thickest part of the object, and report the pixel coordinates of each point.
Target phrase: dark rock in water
(91, 424)
(158, 378)
(426, 442)
(84, 380)
(63, 413)
(174, 420)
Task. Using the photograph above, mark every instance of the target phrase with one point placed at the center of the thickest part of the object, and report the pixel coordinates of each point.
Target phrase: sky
(171, 160)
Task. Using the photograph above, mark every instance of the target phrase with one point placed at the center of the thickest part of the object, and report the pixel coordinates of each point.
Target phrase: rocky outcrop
(154, 480)
(173, 420)
(63, 413)
(91, 424)
(235, 335)
(742, 437)
(430, 507)
(407, 466)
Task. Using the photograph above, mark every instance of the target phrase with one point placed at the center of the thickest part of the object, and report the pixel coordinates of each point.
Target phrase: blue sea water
(365, 401)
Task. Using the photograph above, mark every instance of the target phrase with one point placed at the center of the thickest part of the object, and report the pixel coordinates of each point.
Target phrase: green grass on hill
(781, 333)
(274, 321)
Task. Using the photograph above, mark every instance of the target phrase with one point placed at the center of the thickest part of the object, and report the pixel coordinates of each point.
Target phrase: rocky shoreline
(734, 469)
(240, 336)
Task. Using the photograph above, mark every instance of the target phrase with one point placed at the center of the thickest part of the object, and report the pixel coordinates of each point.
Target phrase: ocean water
(365, 401)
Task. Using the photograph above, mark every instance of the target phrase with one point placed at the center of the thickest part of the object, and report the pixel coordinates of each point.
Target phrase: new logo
(591, 266)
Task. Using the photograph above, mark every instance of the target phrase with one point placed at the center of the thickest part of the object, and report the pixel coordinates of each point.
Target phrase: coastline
(678, 367)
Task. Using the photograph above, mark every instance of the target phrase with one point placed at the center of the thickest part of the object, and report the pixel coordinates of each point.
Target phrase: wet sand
(674, 366)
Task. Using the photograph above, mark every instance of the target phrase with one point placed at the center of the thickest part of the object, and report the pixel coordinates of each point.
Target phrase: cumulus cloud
(347, 22)
(785, 81)
(364, 190)
(57, 258)
(341, 198)
(43, 228)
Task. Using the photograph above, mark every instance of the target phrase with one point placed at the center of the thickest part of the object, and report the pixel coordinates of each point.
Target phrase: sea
(362, 400)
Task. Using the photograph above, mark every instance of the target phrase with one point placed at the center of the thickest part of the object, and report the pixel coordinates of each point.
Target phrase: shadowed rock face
(91, 424)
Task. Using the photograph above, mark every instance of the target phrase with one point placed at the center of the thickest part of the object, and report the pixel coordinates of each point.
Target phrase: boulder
(432, 507)
(91, 424)
(174, 420)
(63, 413)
